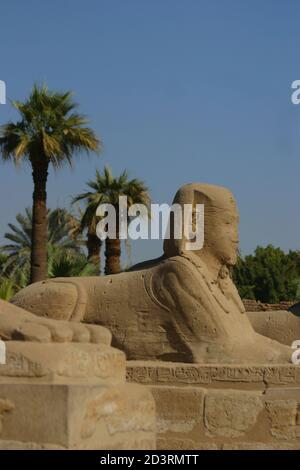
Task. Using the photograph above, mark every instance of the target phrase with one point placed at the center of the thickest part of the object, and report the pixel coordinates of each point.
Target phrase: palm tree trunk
(113, 254)
(94, 247)
(39, 223)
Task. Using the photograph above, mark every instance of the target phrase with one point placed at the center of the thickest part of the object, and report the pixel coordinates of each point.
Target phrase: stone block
(231, 413)
(72, 396)
(282, 412)
(179, 409)
(77, 416)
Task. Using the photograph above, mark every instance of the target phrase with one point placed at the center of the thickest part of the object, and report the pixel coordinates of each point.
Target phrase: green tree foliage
(269, 275)
(7, 288)
(62, 263)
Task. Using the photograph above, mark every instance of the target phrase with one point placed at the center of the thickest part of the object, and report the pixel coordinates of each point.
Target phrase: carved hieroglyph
(180, 307)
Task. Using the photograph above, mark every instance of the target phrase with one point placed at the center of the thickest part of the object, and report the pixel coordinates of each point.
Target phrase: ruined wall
(257, 306)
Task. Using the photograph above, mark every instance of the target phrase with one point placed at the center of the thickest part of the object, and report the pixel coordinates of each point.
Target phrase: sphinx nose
(48, 299)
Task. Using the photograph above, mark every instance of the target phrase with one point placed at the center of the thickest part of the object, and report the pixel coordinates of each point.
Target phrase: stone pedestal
(71, 396)
(223, 407)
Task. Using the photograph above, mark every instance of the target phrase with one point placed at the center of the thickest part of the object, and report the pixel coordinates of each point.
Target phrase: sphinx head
(220, 223)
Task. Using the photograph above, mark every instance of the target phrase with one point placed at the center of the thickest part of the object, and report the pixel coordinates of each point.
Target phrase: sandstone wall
(223, 407)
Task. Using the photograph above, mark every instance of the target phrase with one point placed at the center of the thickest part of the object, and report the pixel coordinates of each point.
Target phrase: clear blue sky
(179, 91)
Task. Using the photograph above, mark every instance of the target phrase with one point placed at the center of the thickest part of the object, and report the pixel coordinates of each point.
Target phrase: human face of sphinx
(221, 238)
(226, 241)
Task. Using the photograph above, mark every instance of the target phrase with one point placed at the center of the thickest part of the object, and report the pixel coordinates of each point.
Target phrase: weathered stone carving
(180, 307)
(63, 387)
(153, 373)
(231, 413)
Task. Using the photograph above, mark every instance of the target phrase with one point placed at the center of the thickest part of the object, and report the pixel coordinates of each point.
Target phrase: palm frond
(49, 128)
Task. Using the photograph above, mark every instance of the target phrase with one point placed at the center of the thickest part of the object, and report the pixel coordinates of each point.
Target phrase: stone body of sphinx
(180, 307)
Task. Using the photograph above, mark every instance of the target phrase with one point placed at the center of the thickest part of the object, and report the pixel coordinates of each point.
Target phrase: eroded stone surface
(283, 415)
(178, 409)
(77, 416)
(149, 372)
(282, 412)
(231, 413)
(114, 406)
(74, 360)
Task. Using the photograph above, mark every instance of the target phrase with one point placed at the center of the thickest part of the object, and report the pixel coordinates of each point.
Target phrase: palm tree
(6, 285)
(88, 222)
(49, 131)
(62, 263)
(60, 225)
(6, 288)
(106, 189)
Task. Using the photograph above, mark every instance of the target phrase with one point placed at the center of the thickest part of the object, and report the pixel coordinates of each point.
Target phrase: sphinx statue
(180, 307)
